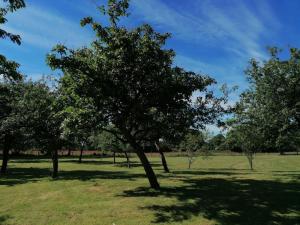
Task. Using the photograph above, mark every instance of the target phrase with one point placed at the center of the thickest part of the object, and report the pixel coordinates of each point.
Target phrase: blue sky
(216, 37)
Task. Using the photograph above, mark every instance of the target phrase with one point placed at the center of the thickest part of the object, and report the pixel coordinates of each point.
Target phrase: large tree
(9, 73)
(33, 118)
(128, 76)
(272, 104)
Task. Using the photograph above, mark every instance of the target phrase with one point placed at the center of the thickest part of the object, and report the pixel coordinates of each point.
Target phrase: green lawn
(217, 190)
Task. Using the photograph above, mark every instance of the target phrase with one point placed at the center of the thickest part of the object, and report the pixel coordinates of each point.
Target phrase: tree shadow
(229, 202)
(25, 175)
(3, 219)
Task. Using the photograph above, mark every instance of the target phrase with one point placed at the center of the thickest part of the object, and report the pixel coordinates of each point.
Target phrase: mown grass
(217, 190)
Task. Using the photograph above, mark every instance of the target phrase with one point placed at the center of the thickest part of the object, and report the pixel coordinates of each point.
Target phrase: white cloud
(236, 28)
(42, 28)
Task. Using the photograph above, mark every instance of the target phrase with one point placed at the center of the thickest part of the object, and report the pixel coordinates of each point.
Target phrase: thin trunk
(114, 156)
(82, 144)
(69, 151)
(250, 160)
(162, 156)
(55, 163)
(5, 155)
(281, 152)
(127, 159)
(81, 153)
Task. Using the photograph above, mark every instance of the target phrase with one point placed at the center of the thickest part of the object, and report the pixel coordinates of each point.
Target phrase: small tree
(250, 141)
(109, 142)
(192, 143)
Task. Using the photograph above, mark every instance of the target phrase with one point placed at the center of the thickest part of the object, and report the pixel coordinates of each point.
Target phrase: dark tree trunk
(55, 163)
(114, 156)
(148, 169)
(250, 156)
(69, 151)
(80, 156)
(190, 163)
(162, 156)
(5, 155)
(127, 159)
(145, 162)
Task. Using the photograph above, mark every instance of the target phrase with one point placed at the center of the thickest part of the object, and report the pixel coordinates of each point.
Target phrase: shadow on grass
(25, 175)
(3, 219)
(228, 202)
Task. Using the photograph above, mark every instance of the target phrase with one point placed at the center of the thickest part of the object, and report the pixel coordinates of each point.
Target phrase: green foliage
(10, 6)
(108, 142)
(128, 76)
(269, 109)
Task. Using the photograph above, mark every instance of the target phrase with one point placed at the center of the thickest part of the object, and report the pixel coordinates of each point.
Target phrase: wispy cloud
(42, 28)
(209, 22)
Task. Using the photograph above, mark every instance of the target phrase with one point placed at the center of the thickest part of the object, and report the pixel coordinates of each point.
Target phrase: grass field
(217, 190)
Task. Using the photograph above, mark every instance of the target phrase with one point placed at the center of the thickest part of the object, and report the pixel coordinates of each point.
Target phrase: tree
(127, 75)
(8, 73)
(271, 104)
(192, 142)
(216, 142)
(109, 142)
(77, 124)
(7, 121)
(42, 115)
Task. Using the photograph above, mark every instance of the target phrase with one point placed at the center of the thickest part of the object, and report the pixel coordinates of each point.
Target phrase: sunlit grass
(217, 190)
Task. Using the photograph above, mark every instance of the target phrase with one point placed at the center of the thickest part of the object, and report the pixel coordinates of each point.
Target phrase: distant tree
(109, 142)
(216, 142)
(78, 121)
(128, 77)
(192, 142)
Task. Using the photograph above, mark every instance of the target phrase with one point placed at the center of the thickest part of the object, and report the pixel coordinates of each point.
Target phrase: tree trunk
(143, 158)
(190, 163)
(5, 155)
(69, 151)
(81, 153)
(281, 152)
(114, 156)
(55, 163)
(148, 169)
(162, 156)
(127, 159)
(250, 159)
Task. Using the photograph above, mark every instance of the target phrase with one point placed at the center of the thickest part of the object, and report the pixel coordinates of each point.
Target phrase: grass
(217, 190)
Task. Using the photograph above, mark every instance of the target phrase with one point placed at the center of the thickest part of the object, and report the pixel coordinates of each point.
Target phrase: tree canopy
(128, 76)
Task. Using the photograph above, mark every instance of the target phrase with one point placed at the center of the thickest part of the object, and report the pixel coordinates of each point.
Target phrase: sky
(216, 37)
